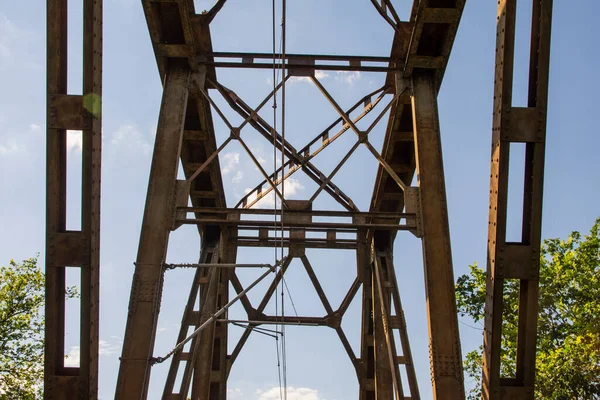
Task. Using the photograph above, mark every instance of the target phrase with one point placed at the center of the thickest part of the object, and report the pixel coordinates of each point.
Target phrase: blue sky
(318, 368)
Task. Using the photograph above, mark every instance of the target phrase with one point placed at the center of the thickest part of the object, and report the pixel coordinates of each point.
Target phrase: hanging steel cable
(275, 78)
(283, 71)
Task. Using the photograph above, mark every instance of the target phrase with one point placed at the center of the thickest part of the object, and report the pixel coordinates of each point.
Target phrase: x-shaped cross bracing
(299, 160)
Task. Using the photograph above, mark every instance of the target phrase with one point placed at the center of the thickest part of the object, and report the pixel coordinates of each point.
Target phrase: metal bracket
(334, 320)
(67, 112)
(412, 204)
(182, 193)
(68, 249)
(403, 85)
(235, 133)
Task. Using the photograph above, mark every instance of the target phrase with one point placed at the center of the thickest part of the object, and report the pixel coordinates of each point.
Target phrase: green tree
(568, 343)
(22, 330)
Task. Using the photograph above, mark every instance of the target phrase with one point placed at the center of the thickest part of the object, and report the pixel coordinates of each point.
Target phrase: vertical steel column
(134, 371)
(367, 350)
(202, 360)
(210, 373)
(56, 381)
(90, 208)
(379, 375)
(72, 248)
(518, 260)
(229, 250)
(444, 343)
(191, 319)
(387, 287)
(384, 374)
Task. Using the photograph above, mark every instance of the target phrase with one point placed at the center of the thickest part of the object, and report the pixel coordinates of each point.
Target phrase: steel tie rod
(213, 318)
(208, 265)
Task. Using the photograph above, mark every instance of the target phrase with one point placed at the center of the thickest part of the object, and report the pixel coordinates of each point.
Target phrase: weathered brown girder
(187, 65)
(516, 260)
(72, 248)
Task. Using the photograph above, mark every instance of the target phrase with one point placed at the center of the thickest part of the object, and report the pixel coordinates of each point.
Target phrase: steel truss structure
(185, 134)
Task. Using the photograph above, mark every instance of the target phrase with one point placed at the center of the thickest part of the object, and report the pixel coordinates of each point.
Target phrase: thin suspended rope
(283, 70)
(275, 72)
(287, 289)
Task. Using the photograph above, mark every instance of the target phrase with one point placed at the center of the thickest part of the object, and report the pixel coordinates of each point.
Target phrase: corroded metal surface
(78, 249)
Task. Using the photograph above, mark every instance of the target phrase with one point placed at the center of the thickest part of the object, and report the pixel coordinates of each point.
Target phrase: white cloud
(8, 148)
(128, 136)
(292, 394)
(258, 150)
(72, 359)
(16, 44)
(105, 348)
(230, 162)
(292, 188)
(108, 349)
(8, 34)
(74, 140)
(234, 394)
(348, 77)
(239, 175)
(23, 142)
(320, 75)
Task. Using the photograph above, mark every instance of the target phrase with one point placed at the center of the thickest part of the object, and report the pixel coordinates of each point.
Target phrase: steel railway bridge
(188, 67)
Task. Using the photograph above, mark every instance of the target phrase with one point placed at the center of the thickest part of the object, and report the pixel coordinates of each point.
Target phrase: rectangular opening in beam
(75, 47)
(520, 91)
(510, 318)
(72, 318)
(516, 182)
(74, 179)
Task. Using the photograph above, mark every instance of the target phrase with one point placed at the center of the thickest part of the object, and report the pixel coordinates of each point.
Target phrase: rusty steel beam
(444, 341)
(56, 381)
(307, 225)
(204, 348)
(294, 62)
(175, 22)
(315, 213)
(517, 260)
(388, 12)
(81, 248)
(249, 241)
(134, 371)
(388, 385)
(389, 294)
(210, 377)
(424, 42)
(379, 364)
